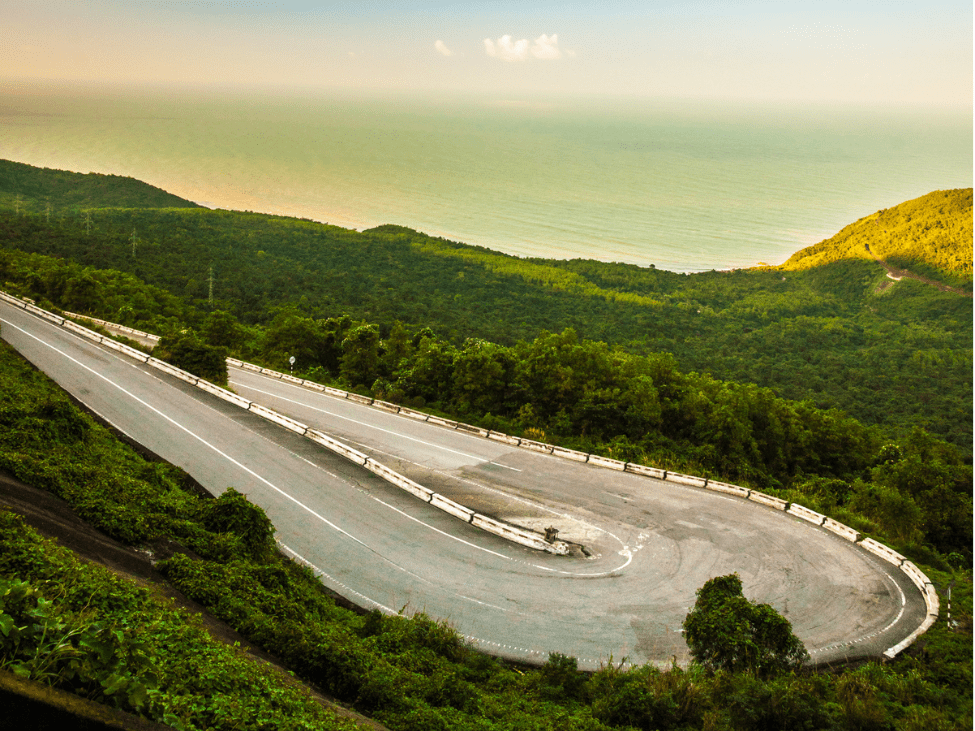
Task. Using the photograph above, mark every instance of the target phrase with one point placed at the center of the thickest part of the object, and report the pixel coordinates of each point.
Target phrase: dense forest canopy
(43, 190)
(934, 231)
(835, 334)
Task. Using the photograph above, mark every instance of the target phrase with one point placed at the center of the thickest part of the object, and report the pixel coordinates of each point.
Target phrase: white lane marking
(903, 603)
(192, 434)
(254, 474)
(335, 582)
(864, 638)
(483, 604)
(371, 426)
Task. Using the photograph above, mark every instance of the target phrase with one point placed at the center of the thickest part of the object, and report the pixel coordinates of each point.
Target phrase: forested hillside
(45, 191)
(835, 334)
(932, 233)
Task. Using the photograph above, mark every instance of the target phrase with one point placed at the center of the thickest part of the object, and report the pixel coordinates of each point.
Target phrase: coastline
(670, 185)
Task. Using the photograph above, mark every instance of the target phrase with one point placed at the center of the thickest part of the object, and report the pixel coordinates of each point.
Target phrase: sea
(684, 185)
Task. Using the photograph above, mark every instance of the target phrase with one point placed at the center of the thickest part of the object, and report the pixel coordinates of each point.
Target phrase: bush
(560, 679)
(233, 513)
(726, 631)
(185, 350)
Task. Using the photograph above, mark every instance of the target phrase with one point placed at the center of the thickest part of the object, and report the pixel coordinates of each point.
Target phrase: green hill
(934, 231)
(42, 189)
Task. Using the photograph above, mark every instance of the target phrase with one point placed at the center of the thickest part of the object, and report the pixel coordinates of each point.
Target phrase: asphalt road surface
(652, 543)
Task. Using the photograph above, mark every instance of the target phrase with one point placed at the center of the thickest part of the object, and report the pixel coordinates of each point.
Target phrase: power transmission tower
(87, 223)
(17, 205)
(211, 285)
(134, 239)
(47, 213)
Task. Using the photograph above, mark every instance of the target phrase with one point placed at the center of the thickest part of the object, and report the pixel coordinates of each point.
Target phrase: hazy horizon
(680, 184)
(865, 53)
(692, 134)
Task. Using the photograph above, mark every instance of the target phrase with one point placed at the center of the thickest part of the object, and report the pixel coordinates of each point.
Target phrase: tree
(222, 329)
(483, 375)
(429, 374)
(360, 360)
(397, 347)
(726, 631)
(185, 350)
(293, 334)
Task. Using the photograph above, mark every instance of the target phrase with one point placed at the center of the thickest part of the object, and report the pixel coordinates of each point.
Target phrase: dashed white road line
(373, 426)
(194, 435)
(276, 488)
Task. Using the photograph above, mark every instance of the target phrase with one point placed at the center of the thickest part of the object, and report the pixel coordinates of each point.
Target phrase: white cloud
(546, 47)
(505, 49)
(442, 49)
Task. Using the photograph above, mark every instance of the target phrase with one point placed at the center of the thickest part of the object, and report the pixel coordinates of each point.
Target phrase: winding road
(652, 543)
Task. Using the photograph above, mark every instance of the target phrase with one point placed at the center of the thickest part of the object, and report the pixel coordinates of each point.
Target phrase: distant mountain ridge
(37, 186)
(934, 230)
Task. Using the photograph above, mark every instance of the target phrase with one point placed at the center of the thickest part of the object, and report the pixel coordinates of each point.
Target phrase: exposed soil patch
(896, 274)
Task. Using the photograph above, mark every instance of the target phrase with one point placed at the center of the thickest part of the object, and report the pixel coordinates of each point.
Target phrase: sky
(855, 51)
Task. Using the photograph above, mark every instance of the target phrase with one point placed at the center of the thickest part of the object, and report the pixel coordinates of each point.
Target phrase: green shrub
(86, 630)
(726, 631)
(560, 679)
(185, 350)
(233, 513)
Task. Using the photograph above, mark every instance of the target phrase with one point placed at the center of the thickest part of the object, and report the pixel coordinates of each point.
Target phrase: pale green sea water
(683, 185)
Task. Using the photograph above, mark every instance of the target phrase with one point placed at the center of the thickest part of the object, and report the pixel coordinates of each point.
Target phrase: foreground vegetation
(409, 673)
(81, 628)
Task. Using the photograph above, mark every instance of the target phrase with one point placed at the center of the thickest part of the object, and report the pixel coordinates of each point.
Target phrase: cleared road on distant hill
(653, 543)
